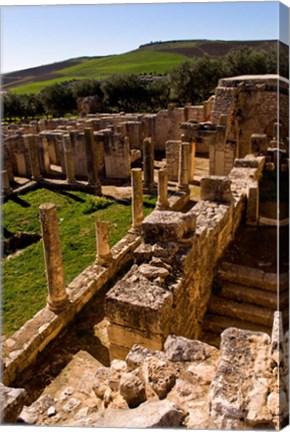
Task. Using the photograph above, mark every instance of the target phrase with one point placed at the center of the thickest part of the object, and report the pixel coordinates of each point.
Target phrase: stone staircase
(244, 298)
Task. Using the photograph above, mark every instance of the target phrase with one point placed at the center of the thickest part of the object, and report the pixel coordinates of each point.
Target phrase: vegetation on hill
(24, 290)
(190, 81)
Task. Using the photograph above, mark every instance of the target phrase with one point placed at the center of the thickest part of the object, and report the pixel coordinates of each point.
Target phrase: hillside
(152, 58)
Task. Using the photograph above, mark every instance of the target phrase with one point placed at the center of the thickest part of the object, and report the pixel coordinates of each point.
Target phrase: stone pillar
(92, 159)
(148, 165)
(57, 296)
(192, 148)
(183, 171)
(252, 211)
(104, 255)
(162, 200)
(46, 159)
(137, 200)
(68, 159)
(33, 153)
(6, 183)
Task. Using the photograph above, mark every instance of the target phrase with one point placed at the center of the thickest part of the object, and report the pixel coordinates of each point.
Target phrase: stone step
(216, 324)
(242, 311)
(255, 296)
(253, 277)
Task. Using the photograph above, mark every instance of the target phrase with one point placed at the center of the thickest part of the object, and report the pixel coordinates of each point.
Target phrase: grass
(24, 291)
(137, 62)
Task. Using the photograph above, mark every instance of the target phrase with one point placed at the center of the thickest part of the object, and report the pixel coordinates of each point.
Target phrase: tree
(124, 92)
(158, 93)
(88, 87)
(11, 106)
(58, 99)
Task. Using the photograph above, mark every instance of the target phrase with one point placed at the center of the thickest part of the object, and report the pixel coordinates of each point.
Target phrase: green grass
(24, 291)
(137, 62)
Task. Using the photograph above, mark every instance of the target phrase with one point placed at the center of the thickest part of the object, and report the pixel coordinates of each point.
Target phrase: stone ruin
(172, 364)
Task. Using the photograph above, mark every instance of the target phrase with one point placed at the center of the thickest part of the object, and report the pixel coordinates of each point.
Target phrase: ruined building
(194, 328)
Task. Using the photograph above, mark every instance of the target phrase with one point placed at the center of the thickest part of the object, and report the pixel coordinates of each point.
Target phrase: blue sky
(37, 35)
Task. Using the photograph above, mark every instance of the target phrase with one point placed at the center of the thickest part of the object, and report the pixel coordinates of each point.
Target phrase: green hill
(152, 58)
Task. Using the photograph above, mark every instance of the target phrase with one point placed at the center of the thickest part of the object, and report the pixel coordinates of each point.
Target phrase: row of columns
(57, 299)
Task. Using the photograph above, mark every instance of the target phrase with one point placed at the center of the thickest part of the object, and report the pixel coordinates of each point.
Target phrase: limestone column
(92, 159)
(68, 159)
(104, 255)
(252, 210)
(183, 171)
(162, 188)
(148, 165)
(137, 200)
(57, 296)
(6, 183)
(33, 154)
(46, 160)
(192, 148)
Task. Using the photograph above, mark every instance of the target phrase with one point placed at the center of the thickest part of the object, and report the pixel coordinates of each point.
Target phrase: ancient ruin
(195, 319)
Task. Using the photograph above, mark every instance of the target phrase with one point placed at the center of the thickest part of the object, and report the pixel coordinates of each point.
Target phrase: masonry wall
(167, 290)
(257, 108)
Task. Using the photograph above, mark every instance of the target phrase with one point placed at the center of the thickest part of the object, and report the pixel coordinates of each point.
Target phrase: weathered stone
(179, 348)
(152, 272)
(147, 415)
(71, 405)
(162, 198)
(12, 401)
(28, 416)
(138, 354)
(161, 375)
(216, 188)
(132, 388)
(104, 255)
(118, 367)
(143, 253)
(167, 225)
(100, 383)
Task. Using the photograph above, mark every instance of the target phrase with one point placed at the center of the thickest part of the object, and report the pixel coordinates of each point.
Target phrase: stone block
(216, 188)
(167, 226)
(12, 401)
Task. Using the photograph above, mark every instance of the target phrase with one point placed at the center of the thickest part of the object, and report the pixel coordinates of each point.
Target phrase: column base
(135, 230)
(58, 307)
(162, 207)
(183, 188)
(104, 261)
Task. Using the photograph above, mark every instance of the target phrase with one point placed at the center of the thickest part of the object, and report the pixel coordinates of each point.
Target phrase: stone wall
(252, 101)
(168, 289)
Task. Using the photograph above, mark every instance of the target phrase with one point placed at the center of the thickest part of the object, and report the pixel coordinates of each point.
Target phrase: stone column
(92, 159)
(183, 171)
(57, 296)
(33, 154)
(148, 165)
(137, 200)
(6, 183)
(46, 159)
(192, 144)
(104, 255)
(162, 200)
(252, 211)
(68, 159)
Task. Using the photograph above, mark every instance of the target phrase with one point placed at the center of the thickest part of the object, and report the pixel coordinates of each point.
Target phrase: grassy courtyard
(23, 274)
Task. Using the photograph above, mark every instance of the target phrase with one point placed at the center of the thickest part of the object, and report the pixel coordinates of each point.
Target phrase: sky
(37, 35)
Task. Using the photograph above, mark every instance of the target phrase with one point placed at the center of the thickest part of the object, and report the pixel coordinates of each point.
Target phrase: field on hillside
(24, 290)
(152, 58)
(137, 62)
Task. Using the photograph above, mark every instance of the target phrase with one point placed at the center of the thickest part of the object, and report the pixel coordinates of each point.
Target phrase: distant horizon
(52, 34)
